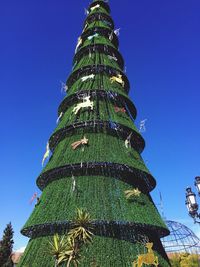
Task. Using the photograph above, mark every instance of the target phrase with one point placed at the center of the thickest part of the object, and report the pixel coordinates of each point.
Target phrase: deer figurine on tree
(148, 258)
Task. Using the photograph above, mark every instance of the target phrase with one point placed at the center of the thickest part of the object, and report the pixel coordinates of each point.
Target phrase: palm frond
(135, 192)
(81, 234)
(82, 218)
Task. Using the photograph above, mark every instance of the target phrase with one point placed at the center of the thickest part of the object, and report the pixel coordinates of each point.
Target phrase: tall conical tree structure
(96, 163)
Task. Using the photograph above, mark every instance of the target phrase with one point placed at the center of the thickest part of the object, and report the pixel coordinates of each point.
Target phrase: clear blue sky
(160, 42)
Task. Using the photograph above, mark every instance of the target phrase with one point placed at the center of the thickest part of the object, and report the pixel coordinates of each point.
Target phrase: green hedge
(101, 81)
(98, 24)
(97, 40)
(96, 58)
(103, 197)
(101, 148)
(106, 252)
(100, 9)
(84, 115)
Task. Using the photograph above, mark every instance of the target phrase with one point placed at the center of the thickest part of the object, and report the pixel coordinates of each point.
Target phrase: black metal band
(102, 4)
(99, 16)
(101, 94)
(100, 48)
(129, 231)
(103, 32)
(130, 175)
(96, 69)
(96, 126)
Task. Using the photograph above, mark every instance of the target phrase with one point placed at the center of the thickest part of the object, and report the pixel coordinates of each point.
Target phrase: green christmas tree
(6, 245)
(96, 164)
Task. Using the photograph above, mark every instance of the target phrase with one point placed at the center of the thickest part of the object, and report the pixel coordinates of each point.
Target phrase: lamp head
(197, 184)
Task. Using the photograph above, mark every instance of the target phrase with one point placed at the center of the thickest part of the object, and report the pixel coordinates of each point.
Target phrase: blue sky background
(159, 41)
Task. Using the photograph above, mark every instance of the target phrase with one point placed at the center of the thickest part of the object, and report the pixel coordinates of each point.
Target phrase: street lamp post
(191, 201)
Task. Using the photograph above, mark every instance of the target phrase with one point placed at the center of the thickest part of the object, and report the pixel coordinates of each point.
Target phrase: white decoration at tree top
(94, 7)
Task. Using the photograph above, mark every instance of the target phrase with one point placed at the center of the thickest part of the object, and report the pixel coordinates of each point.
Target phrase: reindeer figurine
(149, 258)
(117, 79)
(94, 7)
(85, 104)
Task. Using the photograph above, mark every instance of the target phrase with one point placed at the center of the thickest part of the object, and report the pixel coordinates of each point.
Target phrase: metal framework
(181, 239)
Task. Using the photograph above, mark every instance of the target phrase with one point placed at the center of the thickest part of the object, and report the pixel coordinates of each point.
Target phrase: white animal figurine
(85, 78)
(85, 104)
(112, 58)
(94, 7)
(117, 79)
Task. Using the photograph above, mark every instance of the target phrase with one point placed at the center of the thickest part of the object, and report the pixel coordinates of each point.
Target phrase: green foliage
(101, 192)
(98, 58)
(97, 40)
(184, 260)
(86, 115)
(106, 251)
(82, 218)
(98, 24)
(112, 150)
(81, 234)
(6, 245)
(101, 81)
(100, 9)
(67, 247)
(57, 247)
(102, 196)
